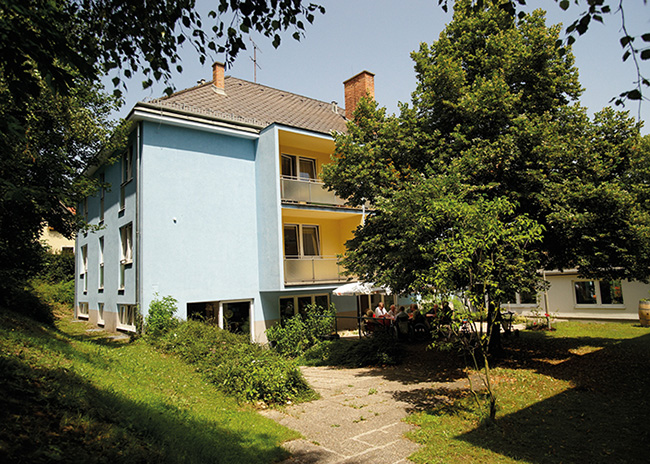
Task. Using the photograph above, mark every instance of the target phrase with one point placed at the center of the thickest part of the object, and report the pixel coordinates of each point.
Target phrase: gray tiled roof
(256, 105)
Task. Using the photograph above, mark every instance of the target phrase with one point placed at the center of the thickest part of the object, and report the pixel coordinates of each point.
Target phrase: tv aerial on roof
(254, 59)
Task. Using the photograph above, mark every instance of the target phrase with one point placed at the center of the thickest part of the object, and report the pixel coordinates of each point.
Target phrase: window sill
(126, 328)
(600, 307)
(126, 262)
(82, 316)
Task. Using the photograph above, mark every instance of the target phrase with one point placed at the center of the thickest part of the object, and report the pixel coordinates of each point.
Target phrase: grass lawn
(580, 394)
(68, 395)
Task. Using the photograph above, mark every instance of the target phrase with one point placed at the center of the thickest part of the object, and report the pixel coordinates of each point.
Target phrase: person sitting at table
(379, 310)
(412, 310)
(392, 311)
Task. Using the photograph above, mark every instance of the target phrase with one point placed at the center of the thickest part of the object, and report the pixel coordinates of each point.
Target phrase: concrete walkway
(359, 417)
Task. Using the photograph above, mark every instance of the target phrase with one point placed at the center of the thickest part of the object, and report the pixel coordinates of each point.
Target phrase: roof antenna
(254, 59)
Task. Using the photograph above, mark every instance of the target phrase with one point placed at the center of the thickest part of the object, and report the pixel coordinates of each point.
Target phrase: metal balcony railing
(312, 269)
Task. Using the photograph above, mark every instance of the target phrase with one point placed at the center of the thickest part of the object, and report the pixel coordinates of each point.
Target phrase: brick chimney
(357, 87)
(218, 75)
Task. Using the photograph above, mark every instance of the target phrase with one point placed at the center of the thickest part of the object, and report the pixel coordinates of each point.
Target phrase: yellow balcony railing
(307, 191)
(313, 269)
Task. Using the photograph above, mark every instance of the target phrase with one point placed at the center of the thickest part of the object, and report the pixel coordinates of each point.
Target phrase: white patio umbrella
(359, 288)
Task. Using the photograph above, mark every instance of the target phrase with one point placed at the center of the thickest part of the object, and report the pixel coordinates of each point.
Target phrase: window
(126, 239)
(85, 209)
(611, 292)
(292, 305)
(299, 167)
(126, 317)
(126, 252)
(127, 165)
(102, 194)
(84, 267)
(301, 240)
(122, 198)
(83, 310)
(101, 263)
(100, 313)
(598, 292)
(522, 297)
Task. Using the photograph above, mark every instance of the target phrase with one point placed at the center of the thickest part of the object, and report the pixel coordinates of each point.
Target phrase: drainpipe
(138, 209)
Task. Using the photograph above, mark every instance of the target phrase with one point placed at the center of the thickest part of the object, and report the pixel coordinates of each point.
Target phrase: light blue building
(217, 203)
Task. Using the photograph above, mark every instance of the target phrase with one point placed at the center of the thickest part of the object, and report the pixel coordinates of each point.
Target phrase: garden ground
(577, 394)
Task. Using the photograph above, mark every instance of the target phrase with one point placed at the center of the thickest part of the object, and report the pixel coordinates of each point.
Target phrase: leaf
(564, 4)
(626, 40)
(626, 55)
(634, 94)
(645, 54)
(645, 37)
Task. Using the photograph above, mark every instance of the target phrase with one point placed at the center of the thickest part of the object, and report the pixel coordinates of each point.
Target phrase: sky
(379, 35)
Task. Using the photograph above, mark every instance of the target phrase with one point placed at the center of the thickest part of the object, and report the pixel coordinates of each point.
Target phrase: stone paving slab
(358, 419)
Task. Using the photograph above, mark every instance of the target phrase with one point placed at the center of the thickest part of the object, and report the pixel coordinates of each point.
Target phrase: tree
(40, 170)
(495, 134)
(636, 47)
(60, 40)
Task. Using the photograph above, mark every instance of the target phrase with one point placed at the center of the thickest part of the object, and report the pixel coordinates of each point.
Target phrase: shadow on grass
(51, 414)
(604, 418)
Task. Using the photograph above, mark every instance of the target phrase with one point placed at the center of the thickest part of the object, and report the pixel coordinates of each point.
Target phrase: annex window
(126, 317)
(101, 263)
(84, 268)
(292, 305)
(598, 292)
(83, 310)
(299, 167)
(301, 240)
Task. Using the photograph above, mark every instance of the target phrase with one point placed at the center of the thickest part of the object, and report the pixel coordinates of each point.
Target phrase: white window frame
(126, 314)
(126, 243)
(100, 313)
(295, 167)
(599, 300)
(84, 267)
(297, 297)
(101, 263)
(82, 310)
(85, 209)
(127, 165)
(102, 197)
(251, 313)
(301, 246)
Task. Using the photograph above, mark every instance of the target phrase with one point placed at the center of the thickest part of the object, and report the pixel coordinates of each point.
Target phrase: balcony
(312, 192)
(313, 270)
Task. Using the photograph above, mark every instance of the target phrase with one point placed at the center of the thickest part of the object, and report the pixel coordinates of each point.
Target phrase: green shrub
(302, 331)
(160, 318)
(247, 371)
(54, 292)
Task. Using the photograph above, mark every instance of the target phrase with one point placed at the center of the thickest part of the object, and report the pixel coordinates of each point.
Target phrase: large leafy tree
(495, 170)
(40, 170)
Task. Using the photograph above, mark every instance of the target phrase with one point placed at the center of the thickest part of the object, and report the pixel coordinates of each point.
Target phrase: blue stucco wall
(199, 220)
(269, 214)
(114, 219)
